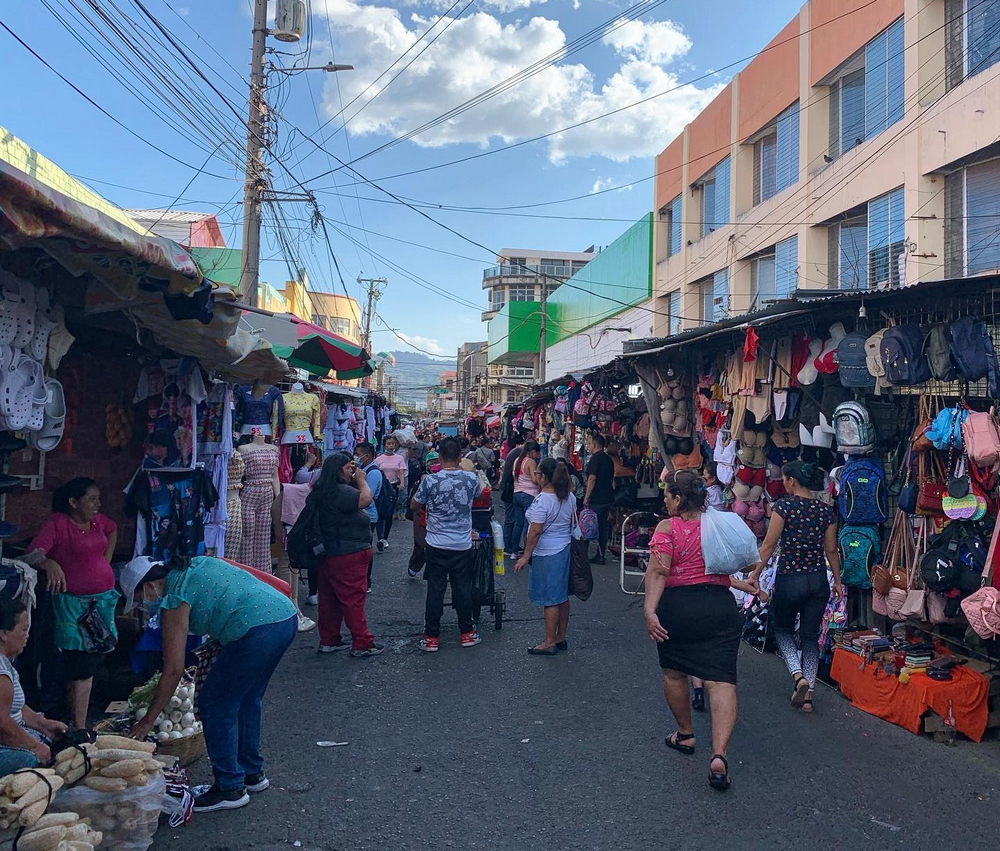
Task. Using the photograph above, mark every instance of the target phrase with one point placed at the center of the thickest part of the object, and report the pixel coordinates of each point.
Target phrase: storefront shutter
(722, 193)
(954, 224)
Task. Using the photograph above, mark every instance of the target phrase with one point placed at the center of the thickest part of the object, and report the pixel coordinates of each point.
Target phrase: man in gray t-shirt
(447, 495)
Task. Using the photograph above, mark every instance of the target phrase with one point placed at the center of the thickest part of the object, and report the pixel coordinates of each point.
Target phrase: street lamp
(329, 68)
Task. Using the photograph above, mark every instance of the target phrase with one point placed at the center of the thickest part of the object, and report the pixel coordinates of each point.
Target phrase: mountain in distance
(414, 373)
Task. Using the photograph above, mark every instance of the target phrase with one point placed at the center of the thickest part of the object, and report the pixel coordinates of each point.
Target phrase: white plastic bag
(727, 544)
(128, 819)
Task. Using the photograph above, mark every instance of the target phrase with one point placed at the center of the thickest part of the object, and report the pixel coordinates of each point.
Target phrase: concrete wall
(598, 345)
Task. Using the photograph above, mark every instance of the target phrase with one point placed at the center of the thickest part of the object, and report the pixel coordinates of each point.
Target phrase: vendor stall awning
(308, 346)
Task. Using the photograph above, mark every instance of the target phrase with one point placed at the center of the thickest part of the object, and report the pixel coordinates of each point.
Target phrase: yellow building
(337, 313)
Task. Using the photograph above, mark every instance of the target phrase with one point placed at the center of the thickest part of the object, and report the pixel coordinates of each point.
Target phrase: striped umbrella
(309, 346)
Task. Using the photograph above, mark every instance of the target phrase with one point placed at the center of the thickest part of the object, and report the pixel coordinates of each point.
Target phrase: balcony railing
(506, 270)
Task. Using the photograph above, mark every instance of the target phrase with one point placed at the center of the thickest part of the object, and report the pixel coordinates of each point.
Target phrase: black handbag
(581, 578)
(95, 634)
(304, 543)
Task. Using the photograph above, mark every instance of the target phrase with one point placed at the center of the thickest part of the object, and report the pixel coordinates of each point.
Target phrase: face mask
(389, 451)
(152, 607)
(435, 468)
(358, 461)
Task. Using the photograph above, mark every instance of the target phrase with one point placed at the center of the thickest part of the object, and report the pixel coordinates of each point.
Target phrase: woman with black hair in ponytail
(806, 528)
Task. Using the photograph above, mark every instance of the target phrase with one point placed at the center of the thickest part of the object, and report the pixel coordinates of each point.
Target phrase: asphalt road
(489, 748)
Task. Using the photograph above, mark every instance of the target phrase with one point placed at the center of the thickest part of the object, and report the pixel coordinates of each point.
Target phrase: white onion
(166, 726)
(175, 702)
(140, 713)
(162, 737)
(175, 734)
(176, 716)
(197, 726)
(188, 719)
(187, 731)
(161, 717)
(187, 705)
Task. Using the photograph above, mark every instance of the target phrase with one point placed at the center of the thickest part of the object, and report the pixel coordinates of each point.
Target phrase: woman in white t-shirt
(546, 552)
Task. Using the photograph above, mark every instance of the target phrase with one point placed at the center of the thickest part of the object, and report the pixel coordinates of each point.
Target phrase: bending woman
(807, 529)
(694, 619)
(254, 623)
(547, 553)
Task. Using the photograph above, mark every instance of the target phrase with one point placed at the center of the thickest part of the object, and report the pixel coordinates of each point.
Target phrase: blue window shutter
(878, 241)
(853, 256)
(852, 107)
(897, 216)
(983, 21)
(722, 193)
(675, 313)
(896, 74)
(720, 295)
(786, 260)
(876, 86)
(708, 221)
(788, 147)
(675, 226)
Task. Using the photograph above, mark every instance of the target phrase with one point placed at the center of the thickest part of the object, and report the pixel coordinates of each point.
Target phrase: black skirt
(704, 625)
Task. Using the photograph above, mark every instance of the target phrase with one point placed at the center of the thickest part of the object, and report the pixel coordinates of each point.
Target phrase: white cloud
(426, 343)
(183, 11)
(479, 51)
(603, 183)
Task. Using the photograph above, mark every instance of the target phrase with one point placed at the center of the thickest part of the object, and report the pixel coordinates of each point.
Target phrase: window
(972, 220)
(579, 264)
(866, 97)
(849, 242)
(497, 302)
(672, 213)
(520, 372)
(517, 261)
(511, 395)
(319, 319)
(521, 294)
(886, 238)
(340, 326)
(972, 43)
(674, 313)
(776, 156)
(714, 188)
(773, 273)
(715, 297)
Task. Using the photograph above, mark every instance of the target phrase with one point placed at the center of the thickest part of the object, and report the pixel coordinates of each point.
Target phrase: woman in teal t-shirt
(254, 623)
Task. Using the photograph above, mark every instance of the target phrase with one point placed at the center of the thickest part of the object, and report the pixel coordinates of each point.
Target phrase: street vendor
(253, 622)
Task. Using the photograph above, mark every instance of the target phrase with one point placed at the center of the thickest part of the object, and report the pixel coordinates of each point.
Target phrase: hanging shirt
(302, 413)
(173, 389)
(173, 508)
(215, 422)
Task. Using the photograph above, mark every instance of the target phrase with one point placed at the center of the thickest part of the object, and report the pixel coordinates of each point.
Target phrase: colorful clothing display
(234, 505)
(259, 414)
(301, 413)
(173, 389)
(215, 422)
(339, 435)
(173, 506)
(257, 499)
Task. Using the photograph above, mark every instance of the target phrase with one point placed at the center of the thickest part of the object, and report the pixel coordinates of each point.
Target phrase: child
(714, 487)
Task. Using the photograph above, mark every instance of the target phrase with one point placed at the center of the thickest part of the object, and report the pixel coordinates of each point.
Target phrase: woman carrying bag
(547, 553)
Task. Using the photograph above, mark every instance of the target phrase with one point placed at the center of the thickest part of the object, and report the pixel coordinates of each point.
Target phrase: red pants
(343, 587)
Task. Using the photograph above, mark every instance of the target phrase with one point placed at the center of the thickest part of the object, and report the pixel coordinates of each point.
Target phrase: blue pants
(231, 699)
(14, 759)
(522, 502)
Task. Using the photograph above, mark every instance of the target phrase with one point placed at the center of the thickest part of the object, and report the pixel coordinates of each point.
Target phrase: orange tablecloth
(882, 695)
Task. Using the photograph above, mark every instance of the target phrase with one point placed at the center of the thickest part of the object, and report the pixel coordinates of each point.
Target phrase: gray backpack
(853, 427)
(937, 350)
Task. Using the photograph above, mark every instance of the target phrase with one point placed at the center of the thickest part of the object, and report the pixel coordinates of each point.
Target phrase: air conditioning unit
(289, 20)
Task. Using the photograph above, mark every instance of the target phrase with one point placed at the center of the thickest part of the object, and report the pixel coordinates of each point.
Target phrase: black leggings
(802, 595)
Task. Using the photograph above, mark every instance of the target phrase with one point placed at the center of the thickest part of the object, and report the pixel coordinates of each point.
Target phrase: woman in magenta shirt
(78, 543)
(694, 619)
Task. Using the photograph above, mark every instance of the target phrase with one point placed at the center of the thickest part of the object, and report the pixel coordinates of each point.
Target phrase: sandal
(719, 782)
(698, 702)
(807, 705)
(801, 690)
(674, 742)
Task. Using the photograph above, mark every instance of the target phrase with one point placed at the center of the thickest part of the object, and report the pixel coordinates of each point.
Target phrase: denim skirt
(548, 578)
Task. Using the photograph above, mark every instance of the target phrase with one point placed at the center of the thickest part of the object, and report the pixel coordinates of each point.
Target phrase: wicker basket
(187, 750)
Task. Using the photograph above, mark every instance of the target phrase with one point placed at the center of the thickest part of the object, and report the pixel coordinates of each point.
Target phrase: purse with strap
(932, 487)
(915, 605)
(889, 574)
(982, 607)
(896, 598)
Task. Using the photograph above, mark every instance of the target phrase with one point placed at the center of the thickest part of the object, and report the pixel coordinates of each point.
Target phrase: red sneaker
(470, 639)
(428, 644)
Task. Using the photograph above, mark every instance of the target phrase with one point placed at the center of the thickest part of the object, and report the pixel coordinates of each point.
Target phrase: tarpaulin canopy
(309, 346)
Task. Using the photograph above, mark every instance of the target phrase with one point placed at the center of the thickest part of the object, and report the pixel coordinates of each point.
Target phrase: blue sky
(479, 44)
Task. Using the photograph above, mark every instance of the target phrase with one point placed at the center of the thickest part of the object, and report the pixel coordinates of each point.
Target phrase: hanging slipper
(23, 384)
(44, 324)
(8, 358)
(51, 433)
(24, 313)
(9, 302)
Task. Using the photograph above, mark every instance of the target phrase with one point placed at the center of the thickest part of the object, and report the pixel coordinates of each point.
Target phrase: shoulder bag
(915, 605)
(889, 574)
(895, 600)
(982, 607)
(581, 577)
(931, 486)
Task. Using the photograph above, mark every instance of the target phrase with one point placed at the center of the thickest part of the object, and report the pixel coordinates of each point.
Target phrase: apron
(68, 608)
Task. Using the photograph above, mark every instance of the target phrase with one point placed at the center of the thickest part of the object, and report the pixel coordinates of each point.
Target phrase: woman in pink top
(694, 619)
(525, 491)
(78, 543)
(393, 466)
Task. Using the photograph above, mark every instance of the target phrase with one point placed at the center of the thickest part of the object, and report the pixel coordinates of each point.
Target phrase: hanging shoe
(54, 410)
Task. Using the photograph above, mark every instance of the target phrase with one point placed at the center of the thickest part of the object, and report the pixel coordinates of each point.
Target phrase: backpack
(860, 550)
(873, 354)
(385, 499)
(589, 525)
(982, 439)
(937, 350)
(304, 543)
(902, 352)
(852, 361)
(863, 494)
(852, 425)
(973, 353)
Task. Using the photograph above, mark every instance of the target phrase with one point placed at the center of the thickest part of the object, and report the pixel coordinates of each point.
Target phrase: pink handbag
(982, 607)
(879, 604)
(915, 604)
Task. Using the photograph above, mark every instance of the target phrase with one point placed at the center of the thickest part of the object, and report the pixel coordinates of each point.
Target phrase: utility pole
(542, 343)
(255, 166)
(375, 289)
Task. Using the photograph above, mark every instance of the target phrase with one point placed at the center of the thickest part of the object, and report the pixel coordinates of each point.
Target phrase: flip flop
(24, 313)
(801, 690)
(9, 302)
(51, 433)
(719, 782)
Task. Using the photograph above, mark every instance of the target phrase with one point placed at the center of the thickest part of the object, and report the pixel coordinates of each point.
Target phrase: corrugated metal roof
(183, 217)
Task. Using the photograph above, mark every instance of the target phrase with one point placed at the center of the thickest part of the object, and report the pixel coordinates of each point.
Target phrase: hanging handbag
(95, 633)
(926, 411)
(915, 605)
(895, 599)
(931, 488)
(885, 576)
(909, 493)
(982, 607)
